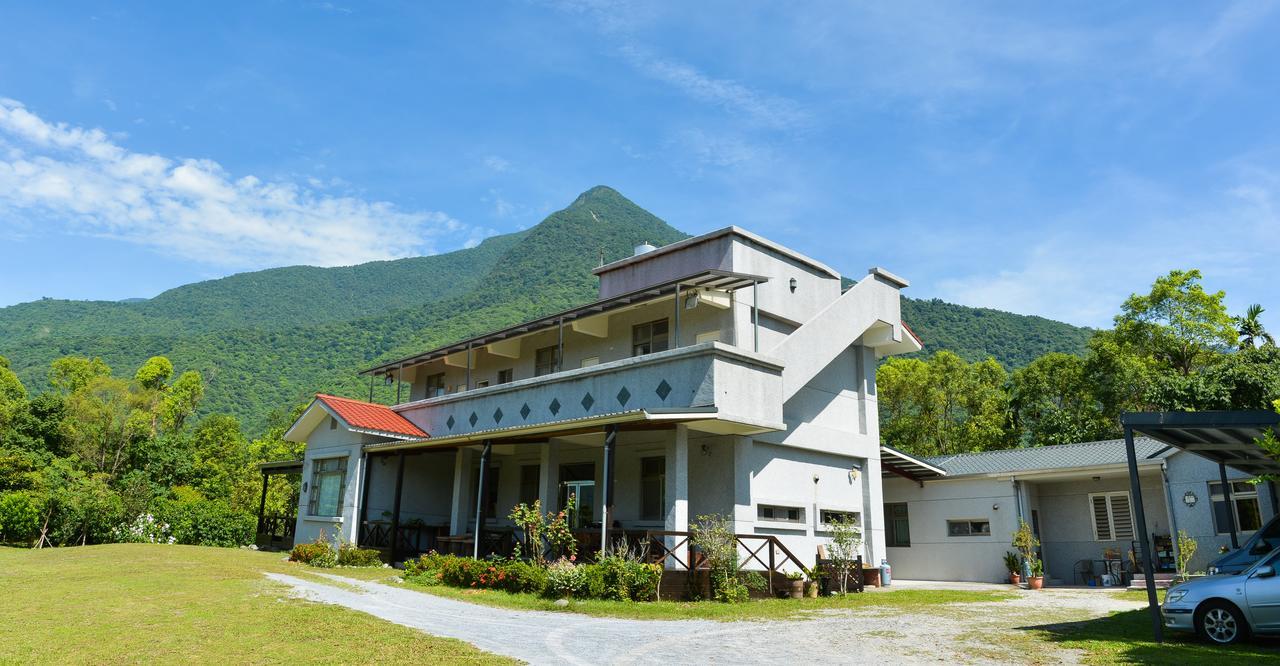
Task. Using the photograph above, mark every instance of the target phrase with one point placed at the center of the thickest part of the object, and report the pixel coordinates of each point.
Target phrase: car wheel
(1220, 622)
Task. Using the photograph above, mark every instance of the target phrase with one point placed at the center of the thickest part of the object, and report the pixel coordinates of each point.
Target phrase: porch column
(1226, 497)
(395, 509)
(549, 475)
(262, 504)
(678, 491)
(362, 511)
(1148, 569)
(460, 508)
(482, 488)
(744, 518)
(873, 510)
(606, 493)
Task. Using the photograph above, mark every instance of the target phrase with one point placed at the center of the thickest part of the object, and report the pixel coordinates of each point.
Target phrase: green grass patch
(765, 609)
(131, 603)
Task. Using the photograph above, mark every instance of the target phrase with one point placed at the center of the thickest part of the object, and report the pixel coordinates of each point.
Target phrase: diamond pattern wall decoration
(587, 401)
(663, 390)
(524, 411)
(473, 418)
(554, 406)
(623, 396)
(451, 422)
(497, 415)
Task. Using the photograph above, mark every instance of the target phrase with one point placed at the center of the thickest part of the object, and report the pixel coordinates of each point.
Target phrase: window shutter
(1121, 517)
(1101, 522)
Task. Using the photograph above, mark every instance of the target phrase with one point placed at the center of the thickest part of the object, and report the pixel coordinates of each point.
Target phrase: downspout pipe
(1168, 502)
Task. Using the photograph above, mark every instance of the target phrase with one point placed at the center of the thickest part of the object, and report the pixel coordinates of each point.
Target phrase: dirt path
(964, 633)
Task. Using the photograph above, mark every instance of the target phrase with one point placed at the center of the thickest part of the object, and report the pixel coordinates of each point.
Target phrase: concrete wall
(324, 442)
(933, 555)
(1066, 519)
(1189, 472)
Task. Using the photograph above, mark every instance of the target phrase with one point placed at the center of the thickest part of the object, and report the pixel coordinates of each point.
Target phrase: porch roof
(354, 415)
(1228, 437)
(712, 279)
(897, 463)
(1058, 457)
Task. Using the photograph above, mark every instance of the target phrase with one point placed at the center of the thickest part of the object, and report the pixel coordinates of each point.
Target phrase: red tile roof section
(368, 416)
(913, 333)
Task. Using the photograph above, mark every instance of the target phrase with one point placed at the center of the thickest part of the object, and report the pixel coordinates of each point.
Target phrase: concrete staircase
(1163, 581)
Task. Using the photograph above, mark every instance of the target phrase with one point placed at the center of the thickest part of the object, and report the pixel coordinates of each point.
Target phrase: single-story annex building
(954, 518)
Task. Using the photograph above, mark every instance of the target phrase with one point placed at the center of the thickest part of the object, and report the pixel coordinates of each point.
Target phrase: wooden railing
(414, 539)
(764, 550)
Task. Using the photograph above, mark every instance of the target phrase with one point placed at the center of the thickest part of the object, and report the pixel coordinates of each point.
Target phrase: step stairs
(1163, 581)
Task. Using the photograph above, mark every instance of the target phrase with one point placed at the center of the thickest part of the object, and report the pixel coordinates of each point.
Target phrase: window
(459, 388)
(1245, 510)
(961, 528)
(649, 338)
(490, 492)
(505, 376)
(529, 483)
(1112, 517)
(482, 383)
(711, 336)
(897, 526)
(579, 480)
(653, 488)
(545, 361)
(328, 483)
(780, 514)
(333, 423)
(825, 516)
(590, 361)
(435, 385)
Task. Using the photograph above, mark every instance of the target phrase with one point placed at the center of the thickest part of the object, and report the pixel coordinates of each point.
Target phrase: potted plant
(1037, 574)
(1024, 539)
(1014, 564)
(811, 587)
(797, 584)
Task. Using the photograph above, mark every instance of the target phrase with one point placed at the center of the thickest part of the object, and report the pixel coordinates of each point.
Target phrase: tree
(846, 546)
(72, 373)
(1251, 330)
(1053, 402)
(155, 373)
(13, 398)
(1178, 324)
(221, 458)
(102, 424)
(943, 405)
(181, 400)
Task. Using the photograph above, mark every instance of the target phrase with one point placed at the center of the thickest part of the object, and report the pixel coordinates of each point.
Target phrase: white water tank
(643, 248)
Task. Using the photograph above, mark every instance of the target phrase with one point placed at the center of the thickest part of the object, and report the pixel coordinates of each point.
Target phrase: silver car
(1227, 608)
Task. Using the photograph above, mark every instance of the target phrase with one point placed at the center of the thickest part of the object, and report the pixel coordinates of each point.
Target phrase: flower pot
(811, 589)
(1035, 582)
(797, 589)
(1014, 578)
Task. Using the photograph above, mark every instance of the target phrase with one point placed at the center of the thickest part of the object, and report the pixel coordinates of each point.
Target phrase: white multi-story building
(723, 374)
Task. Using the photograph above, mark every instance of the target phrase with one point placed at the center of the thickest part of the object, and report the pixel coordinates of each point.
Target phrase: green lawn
(766, 609)
(1126, 637)
(146, 603)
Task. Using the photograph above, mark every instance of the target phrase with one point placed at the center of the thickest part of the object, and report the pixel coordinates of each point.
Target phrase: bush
(496, 574)
(144, 529)
(19, 517)
(351, 555)
(565, 579)
(318, 553)
(625, 578)
(202, 522)
(713, 536)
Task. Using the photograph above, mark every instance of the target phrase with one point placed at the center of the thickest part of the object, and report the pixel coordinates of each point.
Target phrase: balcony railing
(723, 381)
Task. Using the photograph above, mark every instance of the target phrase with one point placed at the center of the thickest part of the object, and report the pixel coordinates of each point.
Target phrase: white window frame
(1111, 527)
(313, 489)
(824, 526)
(1236, 496)
(709, 336)
(799, 524)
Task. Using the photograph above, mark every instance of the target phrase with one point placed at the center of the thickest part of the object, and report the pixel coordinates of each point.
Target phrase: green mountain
(267, 340)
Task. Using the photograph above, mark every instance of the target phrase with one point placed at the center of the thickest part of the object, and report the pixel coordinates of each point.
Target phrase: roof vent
(643, 248)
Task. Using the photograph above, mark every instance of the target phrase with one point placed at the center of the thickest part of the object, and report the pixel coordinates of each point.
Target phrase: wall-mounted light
(691, 301)
(793, 285)
(706, 450)
(995, 507)
(816, 478)
(1189, 498)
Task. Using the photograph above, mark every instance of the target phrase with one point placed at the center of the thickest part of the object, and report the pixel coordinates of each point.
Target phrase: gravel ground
(957, 633)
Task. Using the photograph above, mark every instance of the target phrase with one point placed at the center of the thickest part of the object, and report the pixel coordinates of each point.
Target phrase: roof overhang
(726, 281)
(1228, 437)
(281, 467)
(712, 235)
(702, 419)
(898, 463)
(318, 411)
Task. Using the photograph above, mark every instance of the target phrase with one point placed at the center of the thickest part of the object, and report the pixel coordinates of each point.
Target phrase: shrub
(565, 579)
(625, 578)
(543, 533)
(144, 529)
(318, 553)
(19, 517)
(351, 555)
(713, 536)
(202, 522)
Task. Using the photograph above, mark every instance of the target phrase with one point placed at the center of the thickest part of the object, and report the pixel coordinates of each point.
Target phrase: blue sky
(1026, 158)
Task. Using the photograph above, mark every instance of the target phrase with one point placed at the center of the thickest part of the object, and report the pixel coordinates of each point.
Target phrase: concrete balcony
(712, 386)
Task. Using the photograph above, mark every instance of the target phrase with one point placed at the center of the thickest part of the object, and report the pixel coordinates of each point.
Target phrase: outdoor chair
(1084, 571)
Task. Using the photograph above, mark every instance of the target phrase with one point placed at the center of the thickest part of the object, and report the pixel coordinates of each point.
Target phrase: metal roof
(1059, 456)
(897, 463)
(281, 467)
(712, 279)
(1229, 437)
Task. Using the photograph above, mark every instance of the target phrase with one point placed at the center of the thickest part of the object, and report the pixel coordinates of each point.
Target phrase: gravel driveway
(952, 633)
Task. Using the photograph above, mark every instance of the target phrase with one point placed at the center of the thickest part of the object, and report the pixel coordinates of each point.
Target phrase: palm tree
(1251, 330)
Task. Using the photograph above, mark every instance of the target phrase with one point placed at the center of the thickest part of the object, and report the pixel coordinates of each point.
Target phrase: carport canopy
(898, 463)
(1226, 437)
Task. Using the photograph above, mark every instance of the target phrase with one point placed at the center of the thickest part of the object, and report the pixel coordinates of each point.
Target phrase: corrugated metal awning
(897, 463)
(1229, 437)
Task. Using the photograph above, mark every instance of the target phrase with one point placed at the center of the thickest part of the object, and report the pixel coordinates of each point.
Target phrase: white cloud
(78, 180)
(496, 164)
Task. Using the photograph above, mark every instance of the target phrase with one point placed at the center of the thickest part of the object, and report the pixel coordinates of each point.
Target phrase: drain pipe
(1173, 520)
